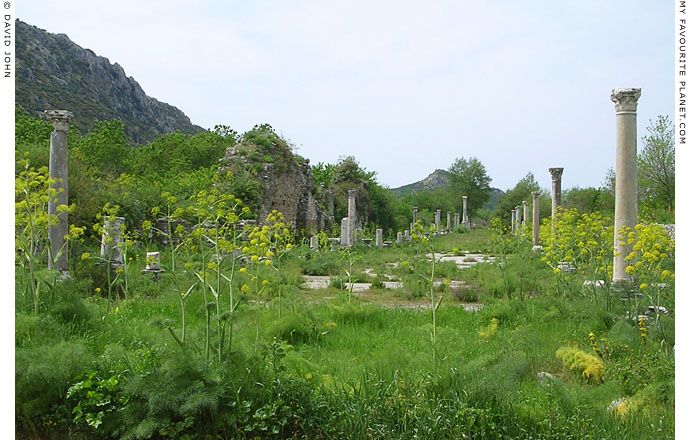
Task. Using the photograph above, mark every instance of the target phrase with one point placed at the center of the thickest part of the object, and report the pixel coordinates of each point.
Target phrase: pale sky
(405, 87)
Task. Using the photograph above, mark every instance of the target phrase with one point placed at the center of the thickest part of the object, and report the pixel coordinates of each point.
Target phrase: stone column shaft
(344, 233)
(535, 218)
(625, 101)
(351, 216)
(448, 221)
(58, 169)
(379, 238)
(518, 214)
(415, 210)
(512, 221)
(438, 221)
(556, 174)
(525, 212)
(465, 214)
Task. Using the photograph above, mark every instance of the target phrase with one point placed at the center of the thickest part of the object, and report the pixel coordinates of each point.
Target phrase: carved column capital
(625, 100)
(556, 174)
(59, 118)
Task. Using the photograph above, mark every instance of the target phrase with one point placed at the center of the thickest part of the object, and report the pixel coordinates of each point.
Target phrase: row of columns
(437, 217)
(625, 101)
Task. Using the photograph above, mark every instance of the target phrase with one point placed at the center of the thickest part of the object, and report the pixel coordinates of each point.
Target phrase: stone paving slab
(464, 261)
(316, 282)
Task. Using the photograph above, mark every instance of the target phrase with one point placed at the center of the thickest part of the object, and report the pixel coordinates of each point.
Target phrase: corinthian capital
(59, 118)
(556, 173)
(625, 99)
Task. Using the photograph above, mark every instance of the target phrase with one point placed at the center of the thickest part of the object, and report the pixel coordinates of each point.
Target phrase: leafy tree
(657, 166)
(323, 173)
(522, 191)
(468, 177)
(584, 199)
(106, 148)
(349, 170)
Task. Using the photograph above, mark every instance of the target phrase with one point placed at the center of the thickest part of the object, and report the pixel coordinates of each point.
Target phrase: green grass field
(324, 364)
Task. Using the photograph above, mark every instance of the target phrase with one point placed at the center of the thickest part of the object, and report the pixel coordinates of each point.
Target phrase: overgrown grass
(330, 369)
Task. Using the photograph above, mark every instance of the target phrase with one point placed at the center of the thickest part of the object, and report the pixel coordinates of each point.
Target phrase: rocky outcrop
(55, 73)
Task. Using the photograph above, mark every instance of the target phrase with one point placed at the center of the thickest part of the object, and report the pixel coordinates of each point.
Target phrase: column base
(625, 290)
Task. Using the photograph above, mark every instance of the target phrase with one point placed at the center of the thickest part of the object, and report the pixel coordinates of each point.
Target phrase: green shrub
(378, 283)
(42, 377)
(326, 264)
(295, 328)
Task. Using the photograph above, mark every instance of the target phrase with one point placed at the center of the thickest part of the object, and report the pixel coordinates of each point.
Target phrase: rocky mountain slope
(437, 179)
(55, 73)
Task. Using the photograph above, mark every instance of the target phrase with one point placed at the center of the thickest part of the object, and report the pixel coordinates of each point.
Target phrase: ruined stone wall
(288, 189)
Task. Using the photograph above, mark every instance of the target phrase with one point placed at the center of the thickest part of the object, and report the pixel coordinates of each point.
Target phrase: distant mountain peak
(437, 179)
(54, 72)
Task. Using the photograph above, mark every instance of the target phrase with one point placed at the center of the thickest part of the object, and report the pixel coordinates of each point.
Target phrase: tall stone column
(625, 101)
(379, 238)
(525, 212)
(58, 169)
(556, 174)
(465, 218)
(415, 210)
(456, 219)
(512, 221)
(351, 216)
(535, 218)
(437, 217)
(448, 221)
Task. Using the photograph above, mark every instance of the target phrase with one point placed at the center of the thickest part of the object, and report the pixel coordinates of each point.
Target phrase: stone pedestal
(465, 214)
(153, 261)
(58, 169)
(535, 218)
(556, 174)
(379, 238)
(351, 216)
(111, 241)
(398, 237)
(407, 236)
(625, 101)
(314, 243)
